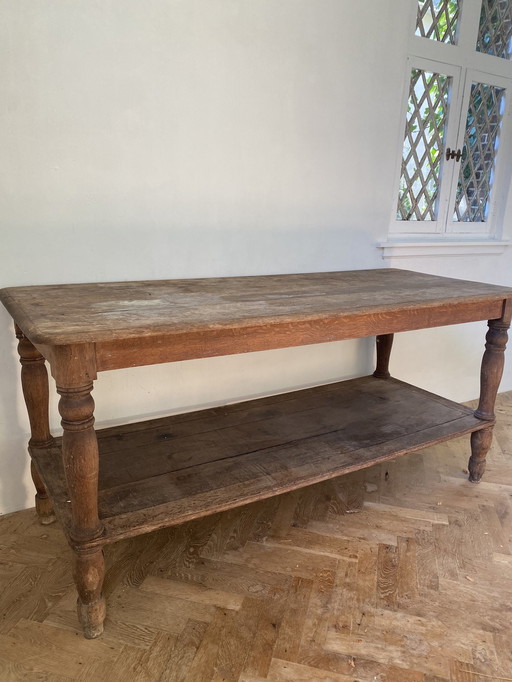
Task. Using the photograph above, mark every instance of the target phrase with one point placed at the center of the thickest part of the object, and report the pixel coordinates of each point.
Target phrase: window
(438, 20)
(452, 175)
(495, 28)
(425, 127)
(478, 160)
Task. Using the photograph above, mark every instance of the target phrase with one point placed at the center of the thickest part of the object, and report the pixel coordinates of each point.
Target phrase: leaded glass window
(476, 175)
(495, 30)
(427, 112)
(438, 20)
(454, 169)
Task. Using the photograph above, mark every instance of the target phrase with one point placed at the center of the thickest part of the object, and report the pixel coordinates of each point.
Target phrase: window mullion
(449, 170)
(468, 29)
(461, 130)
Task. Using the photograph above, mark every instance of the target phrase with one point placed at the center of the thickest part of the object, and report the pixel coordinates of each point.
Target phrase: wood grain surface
(79, 313)
(398, 573)
(218, 460)
(167, 471)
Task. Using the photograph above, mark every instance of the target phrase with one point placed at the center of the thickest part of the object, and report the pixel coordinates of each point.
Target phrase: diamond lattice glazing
(427, 113)
(495, 30)
(485, 113)
(437, 20)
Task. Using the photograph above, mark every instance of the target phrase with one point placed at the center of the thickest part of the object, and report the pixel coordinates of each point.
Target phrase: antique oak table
(119, 482)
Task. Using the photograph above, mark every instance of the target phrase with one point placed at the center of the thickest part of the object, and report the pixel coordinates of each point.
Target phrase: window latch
(452, 154)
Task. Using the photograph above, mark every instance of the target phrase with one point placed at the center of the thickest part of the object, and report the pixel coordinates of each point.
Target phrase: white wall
(187, 138)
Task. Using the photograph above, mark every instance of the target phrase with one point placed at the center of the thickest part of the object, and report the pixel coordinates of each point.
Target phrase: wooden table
(120, 482)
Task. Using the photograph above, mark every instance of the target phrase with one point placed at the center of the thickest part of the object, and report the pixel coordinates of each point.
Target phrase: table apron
(155, 349)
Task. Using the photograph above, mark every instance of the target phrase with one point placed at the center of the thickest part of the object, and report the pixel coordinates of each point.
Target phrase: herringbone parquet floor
(401, 573)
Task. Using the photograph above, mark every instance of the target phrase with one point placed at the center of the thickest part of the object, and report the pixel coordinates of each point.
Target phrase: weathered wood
(44, 506)
(163, 586)
(80, 460)
(384, 343)
(174, 445)
(493, 362)
(89, 572)
(167, 472)
(198, 464)
(492, 368)
(34, 382)
(480, 446)
(212, 342)
(81, 313)
(173, 594)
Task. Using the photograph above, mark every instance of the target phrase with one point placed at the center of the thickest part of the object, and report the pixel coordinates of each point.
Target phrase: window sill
(411, 249)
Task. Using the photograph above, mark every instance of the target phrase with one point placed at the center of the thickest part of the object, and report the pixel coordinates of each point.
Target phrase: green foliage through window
(438, 20)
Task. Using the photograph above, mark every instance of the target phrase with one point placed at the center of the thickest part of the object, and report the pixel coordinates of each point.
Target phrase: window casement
(454, 166)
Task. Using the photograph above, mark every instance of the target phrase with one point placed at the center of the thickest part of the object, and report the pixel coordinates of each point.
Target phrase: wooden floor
(399, 573)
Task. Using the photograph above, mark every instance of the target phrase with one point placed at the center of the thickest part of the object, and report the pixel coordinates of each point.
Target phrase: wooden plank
(203, 469)
(252, 425)
(164, 428)
(174, 446)
(80, 313)
(201, 343)
(41, 648)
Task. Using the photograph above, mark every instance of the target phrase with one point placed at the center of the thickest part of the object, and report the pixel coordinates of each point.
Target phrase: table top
(78, 313)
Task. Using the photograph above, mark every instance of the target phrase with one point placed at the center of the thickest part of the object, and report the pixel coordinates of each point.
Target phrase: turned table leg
(89, 572)
(34, 382)
(81, 465)
(384, 344)
(490, 377)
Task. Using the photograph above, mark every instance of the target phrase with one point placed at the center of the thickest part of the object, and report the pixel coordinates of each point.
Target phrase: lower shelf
(166, 471)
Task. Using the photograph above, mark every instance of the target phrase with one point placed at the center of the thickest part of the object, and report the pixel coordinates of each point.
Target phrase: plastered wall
(188, 138)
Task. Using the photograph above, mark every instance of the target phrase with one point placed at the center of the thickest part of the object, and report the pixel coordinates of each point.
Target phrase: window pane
(437, 20)
(427, 113)
(495, 31)
(485, 113)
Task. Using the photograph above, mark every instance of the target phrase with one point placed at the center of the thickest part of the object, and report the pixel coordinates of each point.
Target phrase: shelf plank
(167, 471)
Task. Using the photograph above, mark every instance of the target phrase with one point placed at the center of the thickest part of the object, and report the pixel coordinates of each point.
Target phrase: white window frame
(465, 65)
(498, 193)
(413, 228)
